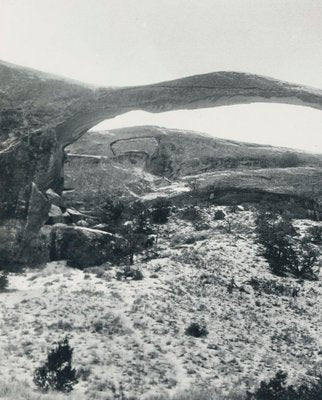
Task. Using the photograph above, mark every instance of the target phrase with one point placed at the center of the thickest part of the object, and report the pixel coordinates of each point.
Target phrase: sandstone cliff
(40, 114)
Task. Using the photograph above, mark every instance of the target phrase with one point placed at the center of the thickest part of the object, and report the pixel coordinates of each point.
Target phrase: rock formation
(40, 114)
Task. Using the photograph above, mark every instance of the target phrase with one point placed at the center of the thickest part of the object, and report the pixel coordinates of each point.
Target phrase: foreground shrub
(57, 372)
(196, 330)
(3, 281)
(277, 389)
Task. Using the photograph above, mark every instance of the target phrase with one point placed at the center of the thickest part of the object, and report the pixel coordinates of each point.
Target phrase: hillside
(129, 336)
(81, 254)
(148, 161)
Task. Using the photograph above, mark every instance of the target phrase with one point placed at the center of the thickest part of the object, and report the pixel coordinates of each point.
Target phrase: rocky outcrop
(82, 247)
(40, 114)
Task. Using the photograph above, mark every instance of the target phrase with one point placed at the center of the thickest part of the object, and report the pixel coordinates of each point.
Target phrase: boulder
(73, 215)
(54, 198)
(102, 227)
(55, 215)
(81, 247)
(83, 223)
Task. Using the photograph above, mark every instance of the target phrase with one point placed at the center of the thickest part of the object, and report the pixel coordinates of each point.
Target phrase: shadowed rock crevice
(40, 114)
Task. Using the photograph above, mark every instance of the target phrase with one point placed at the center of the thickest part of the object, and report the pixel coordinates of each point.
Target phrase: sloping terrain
(148, 161)
(129, 336)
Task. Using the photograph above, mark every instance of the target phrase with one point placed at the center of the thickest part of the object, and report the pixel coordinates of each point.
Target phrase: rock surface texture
(40, 114)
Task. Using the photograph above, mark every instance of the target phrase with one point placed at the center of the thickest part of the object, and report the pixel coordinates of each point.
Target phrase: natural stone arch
(41, 114)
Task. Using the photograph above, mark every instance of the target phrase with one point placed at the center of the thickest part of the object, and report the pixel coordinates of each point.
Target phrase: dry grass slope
(129, 336)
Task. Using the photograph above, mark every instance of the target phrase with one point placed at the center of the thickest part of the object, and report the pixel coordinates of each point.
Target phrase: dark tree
(161, 211)
(284, 252)
(135, 231)
(275, 389)
(57, 372)
(278, 389)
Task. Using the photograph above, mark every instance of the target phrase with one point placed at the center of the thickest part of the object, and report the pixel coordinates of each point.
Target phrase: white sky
(129, 42)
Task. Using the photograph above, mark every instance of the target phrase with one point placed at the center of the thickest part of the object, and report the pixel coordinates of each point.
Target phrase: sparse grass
(14, 389)
(132, 332)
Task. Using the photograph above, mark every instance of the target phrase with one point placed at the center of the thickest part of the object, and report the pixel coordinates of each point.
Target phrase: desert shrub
(196, 330)
(285, 253)
(270, 287)
(3, 281)
(111, 211)
(161, 211)
(219, 215)
(201, 225)
(191, 214)
(83, 373)
(109, 324)
(129, 272)
(188, 238)
(314, 234)
(57, 372)
(278, 389)
(190, 257)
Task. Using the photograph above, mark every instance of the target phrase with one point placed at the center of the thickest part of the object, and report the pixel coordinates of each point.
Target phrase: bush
(219, 215)
(191, 214)
(161, 211)
(270, 287)
(57, 372)
(277, 389)
(111, 211)
(196, 330)
(3, 281)
(129, 272)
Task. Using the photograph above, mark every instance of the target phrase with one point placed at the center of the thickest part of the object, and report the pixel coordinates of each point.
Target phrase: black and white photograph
(160, 199)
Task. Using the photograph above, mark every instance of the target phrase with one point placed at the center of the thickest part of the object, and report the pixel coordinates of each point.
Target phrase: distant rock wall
(41, 114)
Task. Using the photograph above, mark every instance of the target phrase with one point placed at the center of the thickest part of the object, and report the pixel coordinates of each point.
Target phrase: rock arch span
(40, 114)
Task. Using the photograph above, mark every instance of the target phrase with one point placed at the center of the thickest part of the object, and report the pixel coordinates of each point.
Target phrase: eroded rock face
(40, 114)
(80, 246)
